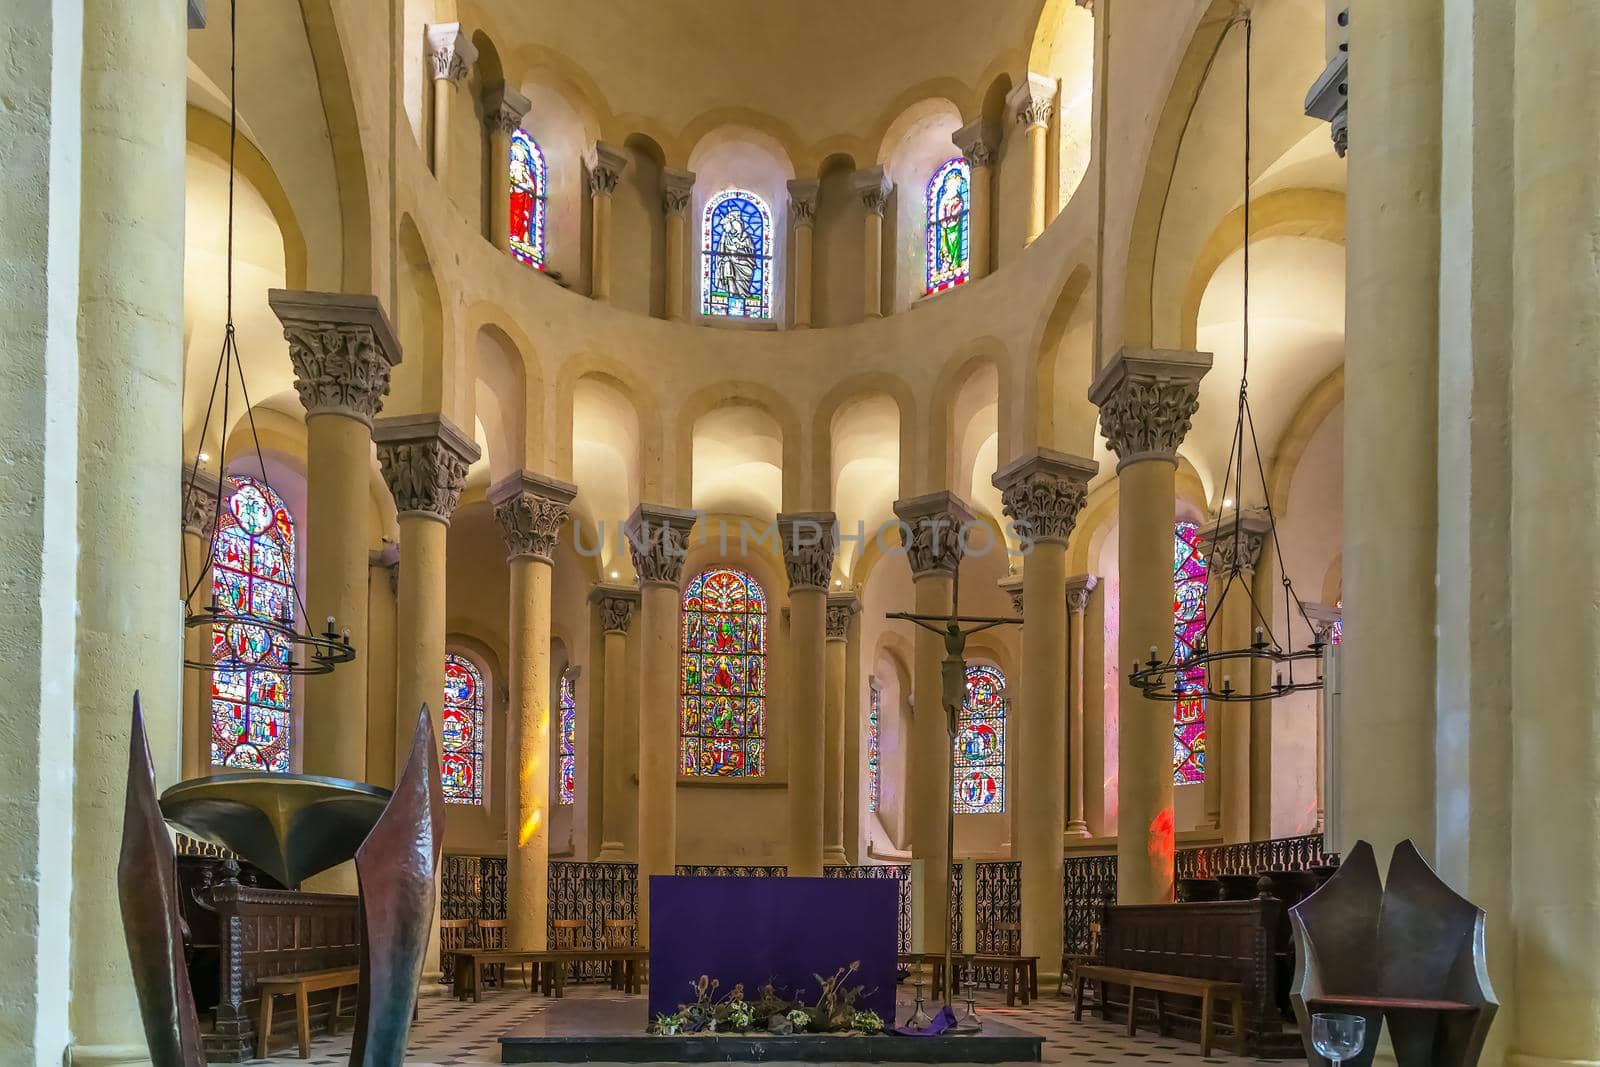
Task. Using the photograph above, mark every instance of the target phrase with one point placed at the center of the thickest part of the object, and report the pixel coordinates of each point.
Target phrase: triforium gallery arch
(723, 707)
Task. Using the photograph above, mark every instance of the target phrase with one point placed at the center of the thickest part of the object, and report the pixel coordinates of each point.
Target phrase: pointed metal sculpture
(396, 867)
(1410, 951)
(147, 886)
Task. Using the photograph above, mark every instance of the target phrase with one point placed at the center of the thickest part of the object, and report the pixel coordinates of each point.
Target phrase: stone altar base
(580, 1031)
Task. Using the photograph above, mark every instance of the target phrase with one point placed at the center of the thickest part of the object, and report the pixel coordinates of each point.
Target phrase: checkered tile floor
(448, 1033)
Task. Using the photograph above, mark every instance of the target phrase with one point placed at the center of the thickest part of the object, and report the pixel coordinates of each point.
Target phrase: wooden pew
(1207, 990)
(1022, 972)
(301, 986)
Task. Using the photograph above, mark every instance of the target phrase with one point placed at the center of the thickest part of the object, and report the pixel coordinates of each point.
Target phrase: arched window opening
(569, 734)
(1189, 572)
(724, 692)
(736, 257)
(252, 574)
(529, 188)
(980, 748)
(949, 225)
(874, 725)
(461, 769)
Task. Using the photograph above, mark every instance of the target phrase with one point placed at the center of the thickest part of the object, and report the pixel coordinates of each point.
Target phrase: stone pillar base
(834, 857)
(1077, 828)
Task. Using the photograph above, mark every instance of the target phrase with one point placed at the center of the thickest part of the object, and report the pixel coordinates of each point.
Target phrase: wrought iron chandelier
(1203, 671)
(251, 638)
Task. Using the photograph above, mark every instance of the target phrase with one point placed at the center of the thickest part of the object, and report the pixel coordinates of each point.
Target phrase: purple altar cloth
(782, 930)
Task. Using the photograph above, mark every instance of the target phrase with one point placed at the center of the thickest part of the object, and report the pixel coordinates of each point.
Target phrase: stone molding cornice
(1011, 586)
(658, 541)
(1043, 492)
(531, 510)
(450, 52)
(504, 109)
(1079, 588)
(1328, 99)
(200, 489)
(842, 608)
(342, 349)
(424, 460)
(605, 164)
(803, 194)
(387, 559)
(1033, 101)
(1146, 397)
(932, 526)
(809, 543)
(617, 605)
(979, 141)
(677, 191)
(873, 186)
(1228, 547)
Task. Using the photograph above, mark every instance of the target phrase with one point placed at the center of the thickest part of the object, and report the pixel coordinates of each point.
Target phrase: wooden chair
(1070, 961)
(571, 934)
(1010, 939)
(492, 935)
(453, 935)
(619, 933)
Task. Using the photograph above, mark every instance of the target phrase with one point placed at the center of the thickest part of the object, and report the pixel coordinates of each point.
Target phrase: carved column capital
(808, 544)
(1079, 589)
(199, 490)
(1011, 586)
(1146, 397)
(450, 52)
(873, 186)
(803, 200)
(658, 541)
(531, 510)
(504, 109)
(677, 191)
(931, 531)
(342, 349)
(842, 607)
(424, 460)
(617, 606)
(1043, 491)
(1231, 546)
(605, 164)
(1033, 101)
(978, 141)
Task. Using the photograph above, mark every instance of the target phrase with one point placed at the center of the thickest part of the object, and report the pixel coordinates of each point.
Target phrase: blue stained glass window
(736, 257)
(949, 225)
(980, 747)
(1189, 573)
(529, 183)
(723, 711)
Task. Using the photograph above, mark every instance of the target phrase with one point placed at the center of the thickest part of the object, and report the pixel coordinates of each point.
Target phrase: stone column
(199, 489)
(931, 533)
(842, 608)
(123, 309)
(658, 541)
(1230, 755)
(874, 187)
(503, 111)
(808, 549)
(451, 55)
(803, 217)
(1390, 454)
(531, 510)
(342, 349)
(617, 605)
(677, 193)
(1146, 397)
(1079, 589)
(1041, 493)
(1555, 579)
(383, 731)
(978, 140)
(1032, 103)
(605, 164)
(1094, 712)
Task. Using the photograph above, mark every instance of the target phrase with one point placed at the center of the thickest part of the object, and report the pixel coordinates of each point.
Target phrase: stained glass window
(461, 769)
(1188, 633)
(252, 561)
(529, 182)
(949, 225)
(724, 688)
(736, 257)
(569, 733)
(980, 749)
(874, 772)
(1336, 628)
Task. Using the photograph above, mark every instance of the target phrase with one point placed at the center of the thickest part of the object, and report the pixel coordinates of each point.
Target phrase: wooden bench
(301, 986)
(1208, 990)
(1021, 972)
(549, 967)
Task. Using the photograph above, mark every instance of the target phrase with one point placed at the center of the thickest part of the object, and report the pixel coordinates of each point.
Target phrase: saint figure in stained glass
(723, 717)
(252, 574)
(461, 731)
(980, 746)
(569, 735)
(949, 225)
(736, 256)
(874, 772)
(528, 193)
(1189, 573)
(1336, 628)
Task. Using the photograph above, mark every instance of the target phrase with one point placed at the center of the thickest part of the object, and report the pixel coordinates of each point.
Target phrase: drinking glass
(1338, 1037)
